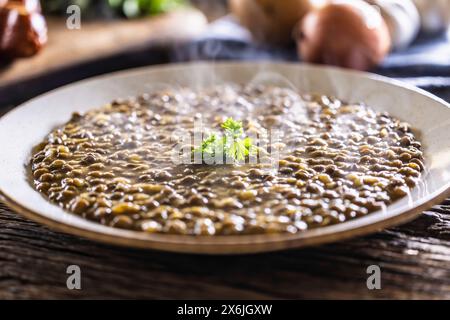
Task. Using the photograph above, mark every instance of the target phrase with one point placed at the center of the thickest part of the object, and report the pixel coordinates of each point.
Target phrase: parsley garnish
(232, 144)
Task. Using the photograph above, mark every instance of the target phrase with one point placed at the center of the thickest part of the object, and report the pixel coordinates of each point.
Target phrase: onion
(272, 21)
(350, 34)
(23, 31)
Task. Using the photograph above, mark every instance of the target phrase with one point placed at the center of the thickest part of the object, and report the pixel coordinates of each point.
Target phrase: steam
(219, 50)
(225, 39)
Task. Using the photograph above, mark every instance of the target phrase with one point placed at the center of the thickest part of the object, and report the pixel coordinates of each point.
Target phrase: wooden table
(414, 261)
(414, 258)
(98, 47)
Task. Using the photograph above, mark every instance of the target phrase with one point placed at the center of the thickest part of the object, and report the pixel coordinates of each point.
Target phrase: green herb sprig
(232, 144)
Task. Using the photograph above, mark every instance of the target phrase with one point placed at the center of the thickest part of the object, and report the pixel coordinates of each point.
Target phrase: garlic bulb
(402, 19)
(434, 14)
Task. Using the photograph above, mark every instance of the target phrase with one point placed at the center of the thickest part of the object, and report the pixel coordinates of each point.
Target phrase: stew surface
(335, 161)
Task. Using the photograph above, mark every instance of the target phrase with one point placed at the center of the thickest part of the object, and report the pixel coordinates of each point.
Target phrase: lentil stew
(337, 161)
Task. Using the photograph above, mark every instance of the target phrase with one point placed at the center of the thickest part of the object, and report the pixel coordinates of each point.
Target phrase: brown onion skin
(272, 21)
(338, 34)
(23, 31)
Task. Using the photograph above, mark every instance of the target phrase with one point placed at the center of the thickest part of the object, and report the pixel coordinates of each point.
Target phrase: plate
(28, 124)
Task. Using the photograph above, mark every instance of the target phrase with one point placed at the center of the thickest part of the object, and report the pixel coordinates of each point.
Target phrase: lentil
(337, 162)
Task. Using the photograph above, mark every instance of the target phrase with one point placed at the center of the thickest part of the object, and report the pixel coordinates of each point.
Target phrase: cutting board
(99, 46)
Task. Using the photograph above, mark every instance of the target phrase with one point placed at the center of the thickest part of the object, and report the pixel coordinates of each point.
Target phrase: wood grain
(414, 259)
(97, 39)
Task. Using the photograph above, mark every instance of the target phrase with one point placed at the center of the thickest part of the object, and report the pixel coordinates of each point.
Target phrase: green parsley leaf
(233, 127)
(232, 144)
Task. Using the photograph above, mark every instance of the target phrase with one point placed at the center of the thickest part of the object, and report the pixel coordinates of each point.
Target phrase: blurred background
(48, 43)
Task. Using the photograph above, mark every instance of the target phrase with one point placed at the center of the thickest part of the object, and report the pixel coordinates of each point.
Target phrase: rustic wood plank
(97, 39)
(414, 259)
(97, 48)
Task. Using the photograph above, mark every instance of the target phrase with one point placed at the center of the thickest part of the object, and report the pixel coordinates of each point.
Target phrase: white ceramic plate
(27, 125)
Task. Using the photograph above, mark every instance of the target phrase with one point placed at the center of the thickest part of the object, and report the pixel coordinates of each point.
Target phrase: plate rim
(237, 244)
